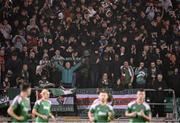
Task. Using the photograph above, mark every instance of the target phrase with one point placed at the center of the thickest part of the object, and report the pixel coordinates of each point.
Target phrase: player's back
(21, 107)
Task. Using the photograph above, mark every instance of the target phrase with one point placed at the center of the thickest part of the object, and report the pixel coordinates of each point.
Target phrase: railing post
(175, 114)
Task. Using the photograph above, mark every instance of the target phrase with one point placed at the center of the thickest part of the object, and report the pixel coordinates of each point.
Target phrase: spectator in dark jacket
(14, 65)
(32, 63)
(159, 95)
(105, 65)
(152, 72)
(6, 84)
(105, 82)
(118, 86)
(94, 68)
(116, 71)
(175, 81)
(25, 72)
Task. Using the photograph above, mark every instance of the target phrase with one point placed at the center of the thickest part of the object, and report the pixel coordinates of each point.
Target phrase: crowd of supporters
(116, 44)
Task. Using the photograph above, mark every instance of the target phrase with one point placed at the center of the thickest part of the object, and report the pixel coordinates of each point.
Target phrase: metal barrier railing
(133, 91)
(175, 113)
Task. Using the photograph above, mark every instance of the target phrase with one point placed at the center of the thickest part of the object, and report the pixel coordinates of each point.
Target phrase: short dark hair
(14, 54)
(103, 91)
(24, 86)
(110, 97)
(141, 90)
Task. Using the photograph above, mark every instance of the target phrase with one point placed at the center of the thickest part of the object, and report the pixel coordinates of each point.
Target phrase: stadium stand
(116, 44)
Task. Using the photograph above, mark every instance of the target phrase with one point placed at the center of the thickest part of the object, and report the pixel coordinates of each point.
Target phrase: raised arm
(76, 66)
(58, 66)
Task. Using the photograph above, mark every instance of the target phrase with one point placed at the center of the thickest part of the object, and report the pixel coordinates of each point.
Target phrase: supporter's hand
(54, 119)
(130, 84)
(83, 60)
(63, 47)
(51, 49)
(20, 118)
(112, 74)
(118, 82)
(44, 117)
(97, 90)
(134, 114)
(97, 61)
(91, 119)
(110, 117)
(141, 113)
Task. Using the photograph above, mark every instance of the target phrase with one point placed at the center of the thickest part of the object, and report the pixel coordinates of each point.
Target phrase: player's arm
(91, 116)
(36, 113)
(111, 114)
(91, 113)
(11, 109)
(58, 66)
(52, 116)
(147, 117)
(129, 112)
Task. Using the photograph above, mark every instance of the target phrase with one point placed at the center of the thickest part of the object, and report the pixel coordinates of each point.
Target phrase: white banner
(84, 101)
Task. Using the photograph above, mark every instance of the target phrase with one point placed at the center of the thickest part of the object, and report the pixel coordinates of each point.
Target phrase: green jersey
(100, 112)
(134, 107)
(21, 107)
(43, 107)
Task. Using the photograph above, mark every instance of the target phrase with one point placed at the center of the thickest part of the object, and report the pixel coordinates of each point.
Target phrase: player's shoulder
(49, 102)
(131, 103)
(96, 101)
(110, 106)
(94, 105)
(18, 98)
(38, 102)
(147, 106)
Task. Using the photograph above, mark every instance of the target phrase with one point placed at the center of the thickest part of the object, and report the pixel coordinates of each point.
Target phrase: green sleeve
(50, 107)
(15, 102)
(36, 105)
(111, 110)
(148, 111)
(129, 109)
(92, 109)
